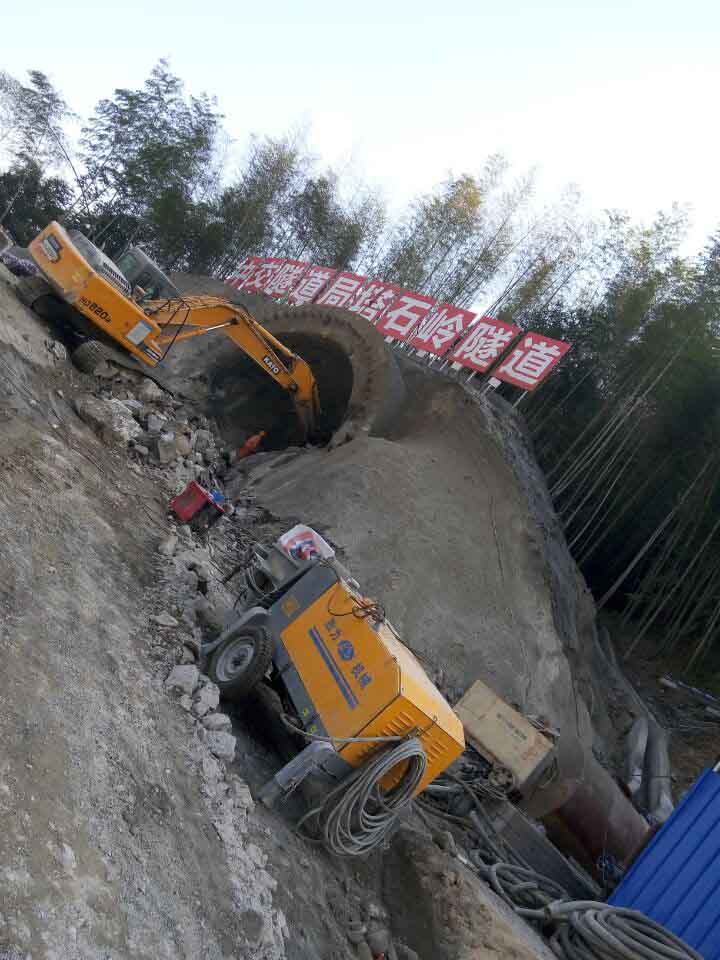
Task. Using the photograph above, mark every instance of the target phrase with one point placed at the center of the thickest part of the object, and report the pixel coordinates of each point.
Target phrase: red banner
(408, 316)
(402, 316)
(264, 270)
(310, 285)
(373, 299)
(341, 291)
(441, 328)
(287, 278)
(245, 271)
(532, 359)
(485, 342)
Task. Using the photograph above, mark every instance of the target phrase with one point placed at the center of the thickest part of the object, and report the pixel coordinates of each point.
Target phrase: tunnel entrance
(244, 400)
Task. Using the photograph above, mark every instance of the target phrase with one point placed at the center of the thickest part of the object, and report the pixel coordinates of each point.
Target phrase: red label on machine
(441, 328)
(532, 359)
(404, 315)
(341, 291)
(310, 285)
(487, 340)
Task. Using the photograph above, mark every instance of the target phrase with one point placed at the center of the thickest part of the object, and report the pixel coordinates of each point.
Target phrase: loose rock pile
(160, 430)
(171, 442)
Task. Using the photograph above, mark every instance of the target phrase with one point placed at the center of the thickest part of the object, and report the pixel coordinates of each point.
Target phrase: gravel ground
(129, 829)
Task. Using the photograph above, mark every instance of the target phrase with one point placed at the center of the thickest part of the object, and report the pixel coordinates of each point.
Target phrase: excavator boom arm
(195, 316)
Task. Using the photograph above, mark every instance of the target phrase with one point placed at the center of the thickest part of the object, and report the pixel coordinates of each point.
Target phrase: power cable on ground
(358, 815)
(583, 929)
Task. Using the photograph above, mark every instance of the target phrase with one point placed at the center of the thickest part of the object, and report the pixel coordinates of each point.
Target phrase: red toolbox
(193, 498)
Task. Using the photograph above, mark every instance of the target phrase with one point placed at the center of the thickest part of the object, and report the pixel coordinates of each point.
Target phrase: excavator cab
(144, 274)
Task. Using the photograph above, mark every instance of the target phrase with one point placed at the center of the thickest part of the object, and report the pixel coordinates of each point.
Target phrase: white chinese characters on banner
(401, 318)
(487, 340)
(263, 274)
(531, 361)
(287, 277)
(310, 285)
(441, 328)
(245, 271)
(342, 290)
(373, 299)
(404, 315)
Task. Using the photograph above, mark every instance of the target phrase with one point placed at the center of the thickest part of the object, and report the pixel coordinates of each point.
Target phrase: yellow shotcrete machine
(377, 730)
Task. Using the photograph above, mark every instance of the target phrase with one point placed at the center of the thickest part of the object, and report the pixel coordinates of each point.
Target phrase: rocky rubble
(172, 443)
(158, 429)
(227, 797)
(168, 441)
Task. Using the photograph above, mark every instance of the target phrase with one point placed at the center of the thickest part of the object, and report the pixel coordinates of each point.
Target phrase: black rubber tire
(31, 289)
(90, 355)
(256, 645)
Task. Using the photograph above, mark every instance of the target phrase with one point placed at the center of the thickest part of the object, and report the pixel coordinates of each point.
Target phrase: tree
(31, 131)
(32, 118)
(437, 227)
(629, 428)
(320, 227)
(143, 144)
(453, 243)
(31, 200)
(251, 208)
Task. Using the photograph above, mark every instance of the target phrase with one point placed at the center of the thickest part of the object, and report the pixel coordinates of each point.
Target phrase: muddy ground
(124, 836)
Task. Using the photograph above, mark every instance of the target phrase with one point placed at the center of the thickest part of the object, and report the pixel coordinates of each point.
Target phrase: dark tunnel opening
(244, 400)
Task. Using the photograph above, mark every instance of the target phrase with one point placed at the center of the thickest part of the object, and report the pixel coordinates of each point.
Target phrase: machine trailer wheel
(241, 662)
(90, 355)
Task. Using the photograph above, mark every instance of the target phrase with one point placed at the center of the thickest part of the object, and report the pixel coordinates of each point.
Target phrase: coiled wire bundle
(357, 816)
(595, 931)
(578, 929)
(526, 891)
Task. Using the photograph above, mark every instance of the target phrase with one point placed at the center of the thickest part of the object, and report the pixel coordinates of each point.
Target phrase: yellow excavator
(131, 303)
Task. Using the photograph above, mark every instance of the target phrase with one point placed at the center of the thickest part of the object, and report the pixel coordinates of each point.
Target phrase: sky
(618, 98)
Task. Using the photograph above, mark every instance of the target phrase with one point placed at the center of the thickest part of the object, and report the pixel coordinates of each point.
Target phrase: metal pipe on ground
(584, 811)
(597, 820)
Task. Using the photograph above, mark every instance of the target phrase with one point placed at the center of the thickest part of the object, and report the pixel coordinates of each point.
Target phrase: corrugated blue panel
(676, 879)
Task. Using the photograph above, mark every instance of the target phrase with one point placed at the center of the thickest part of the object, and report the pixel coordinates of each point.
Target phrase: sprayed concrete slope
(438, 501)
(438, 524)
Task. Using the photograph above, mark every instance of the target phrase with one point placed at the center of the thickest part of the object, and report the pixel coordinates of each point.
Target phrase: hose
(319, 736)
(596, 931)
(527, 892)
(584, 929)
(357, 816)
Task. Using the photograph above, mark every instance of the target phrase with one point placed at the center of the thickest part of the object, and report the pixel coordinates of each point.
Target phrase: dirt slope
(107, 849)
(121, 836)
(436, 524)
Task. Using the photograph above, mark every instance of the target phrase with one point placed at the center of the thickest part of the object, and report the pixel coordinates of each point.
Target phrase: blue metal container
(676, 879)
